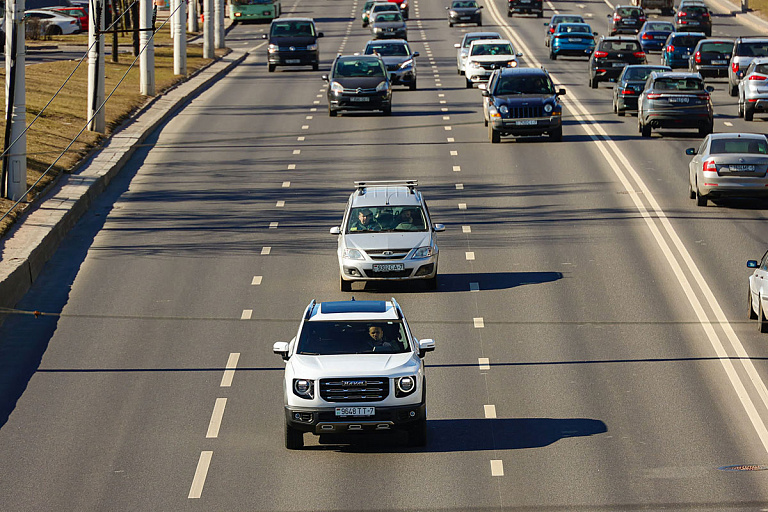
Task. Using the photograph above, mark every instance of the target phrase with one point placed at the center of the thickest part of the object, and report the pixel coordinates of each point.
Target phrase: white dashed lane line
(286, 184)
(246, 314)
(459, 186)
(291, 167)
(200, 473)
(273, 225)
(456, 168)
(218, 414)
(478, 322)
(256, 281)
(466, 229)
(296, 151)
(483, 363)
(462, 206)
(266, 250)
(497, 468)
(470, 255)
(280, 204)
(490, 411)
(234, 357)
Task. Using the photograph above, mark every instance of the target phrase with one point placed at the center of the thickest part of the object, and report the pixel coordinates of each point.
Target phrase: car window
(572, 28)
(491, 49)
(764, 263)
(761, 68)
(530, 84)
(359, 68)
(388, 49)
(723, 47)
(695, 10)
(621, 46)
(626, 11)
(469, 39)
(386, 218)
(738, 145)
(385, 7)
(388, 17)
(352, 337)
(678, 84)
(641, 73)
(292, 28)
(464, 4)
(753, 49)
(661, 27)
(687, 41)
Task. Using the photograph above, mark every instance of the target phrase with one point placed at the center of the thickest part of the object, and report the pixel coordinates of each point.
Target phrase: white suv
(387, 234)
(354, 366)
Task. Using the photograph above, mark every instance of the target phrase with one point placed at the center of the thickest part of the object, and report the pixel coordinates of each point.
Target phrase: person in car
(364, 222)
(408, 222)
(378, 341)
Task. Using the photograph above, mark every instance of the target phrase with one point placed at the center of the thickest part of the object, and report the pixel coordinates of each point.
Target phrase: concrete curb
(745, 18)
(25, 251)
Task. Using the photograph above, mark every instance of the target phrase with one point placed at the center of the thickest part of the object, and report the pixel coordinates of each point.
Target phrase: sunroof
(354, 306)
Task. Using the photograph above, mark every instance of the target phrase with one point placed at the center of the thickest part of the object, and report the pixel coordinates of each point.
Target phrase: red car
(80, 13)
(403, 4)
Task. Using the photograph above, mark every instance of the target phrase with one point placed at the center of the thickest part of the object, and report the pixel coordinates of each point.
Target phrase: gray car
(744, 50)
(753, 89)
(675, 100)
(464, 11)
(463, 46)
(388, 24)
(728, 164)
(399, 59)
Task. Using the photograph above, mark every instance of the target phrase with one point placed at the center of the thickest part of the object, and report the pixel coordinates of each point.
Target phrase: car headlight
(473, 64)
(404, 5)
(406, 64)
(423, 252)
(404, 386)
(382, 87)
(452, 13)
(477, 11)
(336, 88)
(512, 63)
(377, 29)
(353, 254)
(312, 47)
(504, 109)
(304, 388)
(547, 108)
(272, 48)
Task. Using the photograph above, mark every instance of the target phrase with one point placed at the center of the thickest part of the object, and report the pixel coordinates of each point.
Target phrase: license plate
(719, 62)
(361, 99)
(526, 122)
(679, 100)
(465, 17)
(741, 167)
(292, 61)
(660, 37)
(630, 21)
(388, 267)
(355, 411)
(619, 64)
(693, 23)
(574, 39)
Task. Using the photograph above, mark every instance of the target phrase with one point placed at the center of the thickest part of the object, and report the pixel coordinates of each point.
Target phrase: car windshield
(388, 49)
(491, 49)
(387, 17)
(632, 73)
(385, 7)
(469, 39)
(660, 27)
(755, 49)
(359, 68)
(739, 145)
(352, 337)
(292, 28)
(386, 218)
(722, 47)
(509, 85)
(569, 28)
(695, 10)
(686, 41)
(467, 4)
(678, 84)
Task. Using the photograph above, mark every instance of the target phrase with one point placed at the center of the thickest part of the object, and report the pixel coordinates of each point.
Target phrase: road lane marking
(478, 322)
(291, 167)
(466, 229)
(246, 314)
(300, 139)
(451, 139)
(256, 281)
(470, 255)
(459, 186)
(497, 468)
(296, 151)
(462, 206)
(484, 363)
(309, 118)
(218, 413)
(200, 473)
(490, 411)
(286, 184)
(279, 204)
(273, 225)
(727, 123)
(266, 250)
(305, 127)
(456, 168)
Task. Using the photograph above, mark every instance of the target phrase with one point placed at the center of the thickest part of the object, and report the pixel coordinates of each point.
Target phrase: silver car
(753, 89)
(388, 24)
(728, 164)
(758, 292)
(463, 46)
(745, 49)
(399, 59)
(387, 234)
(484, 56)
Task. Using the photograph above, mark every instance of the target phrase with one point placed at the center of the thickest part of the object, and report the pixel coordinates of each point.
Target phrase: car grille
(295, 48)
(494, 65)
(354, 389)
(388, 254)
(525, 112)
(359, 91)
(394, 273)
(393, 67)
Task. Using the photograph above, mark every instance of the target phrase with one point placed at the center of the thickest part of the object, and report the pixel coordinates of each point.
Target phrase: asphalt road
(622, 373)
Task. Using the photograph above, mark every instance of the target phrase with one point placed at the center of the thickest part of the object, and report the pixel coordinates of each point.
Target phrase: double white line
(664, 234)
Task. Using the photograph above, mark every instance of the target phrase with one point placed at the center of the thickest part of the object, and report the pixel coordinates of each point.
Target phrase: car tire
(493, 135)
(752, 314)
(332, 113)
(294, 439)
(451, 25)
(733, 90)
(469, 83)
(387, 110)
(701, 200)
(509, 14)
(479, 23)
(691, 192)
(762, 322)
(645, 130)
(346, 286)
(749, 113)
(706, 130)
(315, 66)
(546, 42)
(412, 87)
(417, 434)
(741, 109)
(485, 121)
(540, 15)
(593, 83)
(552, 54)
(53, 30)
(556, 135)
(271, 68)
(620, 112)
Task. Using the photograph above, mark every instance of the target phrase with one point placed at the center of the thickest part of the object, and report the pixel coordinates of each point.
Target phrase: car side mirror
(752, 264)
(426, 346)
(480, 7)
(335, 230)
(519, 54)
(320, 34)
(325, 77)
(439, 227)
(690, 151)
(482, 86)
(447, 8)
(594, 34)
(281, 348)
(485, 93)
(457, 45)
(561, 92)
(709, 88)
(609, 15)
(414, 54)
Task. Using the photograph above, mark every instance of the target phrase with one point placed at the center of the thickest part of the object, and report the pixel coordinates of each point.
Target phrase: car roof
(522, 71)
(352, 310)
(386, 41)
(731, 135)
(684, 34)
(382, 193)
(278, 20)
(494, 41)
(675, 74)
(473, 34)
(619, 38)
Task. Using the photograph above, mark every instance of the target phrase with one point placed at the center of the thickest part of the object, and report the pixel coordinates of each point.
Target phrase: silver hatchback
(387, 234)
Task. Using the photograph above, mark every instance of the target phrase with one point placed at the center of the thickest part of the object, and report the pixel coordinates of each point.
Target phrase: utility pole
(180, 41)
(147, 43)
(193, 25)
(208, 51)
(96, 67)
(219, 24)
(14, 174)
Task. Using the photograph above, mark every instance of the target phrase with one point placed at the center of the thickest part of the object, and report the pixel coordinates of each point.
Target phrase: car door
(696, 162)
(759, 283)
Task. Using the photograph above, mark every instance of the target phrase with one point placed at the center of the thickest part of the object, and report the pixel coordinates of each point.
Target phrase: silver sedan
(753, 89)
(728, 164)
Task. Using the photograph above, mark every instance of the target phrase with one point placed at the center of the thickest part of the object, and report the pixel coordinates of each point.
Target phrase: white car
(485, 55)
(354, 366)
(758, 292)
(463, 46)
(53, 23)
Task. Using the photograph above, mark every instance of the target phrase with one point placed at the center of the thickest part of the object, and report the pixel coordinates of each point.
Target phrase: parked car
(728, 164)
(463, 46)
(465, 11)
(626, 19)
(32, 5)
(525, 7)
(81, 13)
(53, 23)
(484, 56)
(358, 82)
(694, 17)
(522, 101)
(758, 292)
(574, 39)
(675, 100)
(744, 50)
(753, 89)
(293, 42)
(653, 35)
(629, 86)
(611, 55)
(559, 18)
(399, 59)
(678, 48)
(388, 25)
(711, 57)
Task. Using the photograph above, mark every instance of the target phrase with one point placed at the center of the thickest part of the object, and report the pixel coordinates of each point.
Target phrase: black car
(464, 11)
(711, 57)
(522, 101)
(675, 100)
(694, 18)
(358, 82)
(627, 19)
(629, 86)
(610, 56)
(293, 42)
(525, 7)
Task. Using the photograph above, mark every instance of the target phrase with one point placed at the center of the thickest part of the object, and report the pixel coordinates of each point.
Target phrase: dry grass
(66, 116)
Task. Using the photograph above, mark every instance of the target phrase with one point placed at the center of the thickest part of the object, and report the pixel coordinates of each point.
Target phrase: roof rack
(308, 312)
(411, 184)
(397, 309)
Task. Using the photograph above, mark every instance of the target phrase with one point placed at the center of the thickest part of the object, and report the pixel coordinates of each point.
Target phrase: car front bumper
(297, 58)
(362, 270)
(530, 126)
(394, 34)
(465, 18)
(349, 102)
(323, 420)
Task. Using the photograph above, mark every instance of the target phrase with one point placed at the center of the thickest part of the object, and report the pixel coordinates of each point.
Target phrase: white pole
(17, 155)
(219, 37)
(147, 49)
(172, 16)
(193, 25)
(96, 67)
(208, 51)
(180, 41)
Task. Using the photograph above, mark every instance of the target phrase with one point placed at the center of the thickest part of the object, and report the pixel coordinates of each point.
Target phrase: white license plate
(465, 17)
(660, 37)
(693, 23)
(630, 21)
(526, 122)
(619, 64)
(719, 62)
(574, 39)
(741, 167)
(355, 411)
(360, 99)
(292, 61)
(679, 100)
(388, 267)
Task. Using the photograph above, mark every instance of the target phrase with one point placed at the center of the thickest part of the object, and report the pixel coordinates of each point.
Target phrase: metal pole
(192, 22)
(180, 41)
(15, 161)
(219, 24)
(208, 51)
(96, 67)
(135, 20)
(111, 17)
(146, 38)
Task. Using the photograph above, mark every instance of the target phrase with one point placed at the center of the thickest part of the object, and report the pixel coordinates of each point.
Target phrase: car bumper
(475, 18)
(575, 50)
(531, 126)
(397, 34)
(677, 119)
(720, 186)
(357, 270)
(710, 70)
(307, 58)
(323, 420)
(758, 104)
(651, 45)
(349, 102)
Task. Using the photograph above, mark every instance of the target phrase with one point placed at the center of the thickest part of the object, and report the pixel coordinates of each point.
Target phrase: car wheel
(346, 286)
(733, 90)
(707, 129)
(645, 130)
(540, 15)
(412, 87)
(387, 110)
(469, 83)
(762, 322)
(691, 192)
(480, 23)
(546, 42)
(458, 71)
(556, 135)
(315, 66)
(509, 14)
(620, 112)
(485, 121)
(700, 199)
(417, 434)
(741, 108)
(332, 113)
(53, 30)
(294, 439)
(593, 83)
(271, 68)
(749, 113)
(552, 54)
(451, 25)
(752, 314)
(493, 135)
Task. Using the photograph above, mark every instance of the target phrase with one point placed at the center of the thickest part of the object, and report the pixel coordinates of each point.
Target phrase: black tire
(701, 200)
(556, 135)
(741, 109)
(493, 135)
(752, 314)
(733, 90)
(451, 25)
(53, 30)
(271, 68)
(645, 130)
(485, 121)
(540, 15)
(620, 112)
(469, 83)
(387, 110)
(706, 130)
(315, 66)
(417, 434)
(552, 55)
(593, 83)
(509, 14)
(691, 192)
(294, 439)
(332, 113)
(762, 322)
(346, 286)
(749, 113)
(412, 87)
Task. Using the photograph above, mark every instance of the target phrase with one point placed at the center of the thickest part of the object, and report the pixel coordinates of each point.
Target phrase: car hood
(353, 365)
(388, 24)
(293, 41)
(395, 59)
(532, 100)
(464, 11)
(363, 82)
(383, 241)
(492, 58)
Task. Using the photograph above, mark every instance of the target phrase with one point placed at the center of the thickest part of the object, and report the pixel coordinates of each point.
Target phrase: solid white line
(256, 280)
(266, 250)
(200, 473)
(490, 411)
(246, 314)
(218, 413)
(229, 372)
(497, 468)
(478, 322)
(484, 363)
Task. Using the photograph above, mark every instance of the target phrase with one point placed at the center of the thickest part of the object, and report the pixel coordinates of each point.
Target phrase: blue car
(678, 48)
(575, 39)
(653, 35)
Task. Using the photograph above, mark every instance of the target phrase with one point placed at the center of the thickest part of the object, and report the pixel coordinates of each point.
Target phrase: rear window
(567, 19)
(620, 46)
(387, 49)
(350, 337)
(574, 28)
(678, 84)
(660, 27)
(695, 10)
(629, 12)
(753, 49)
(641, 73)
(750, 146)
(716, 47)
(686, 41)
(761, 68)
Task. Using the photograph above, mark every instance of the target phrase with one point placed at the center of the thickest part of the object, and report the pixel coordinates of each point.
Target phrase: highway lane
(605, 395)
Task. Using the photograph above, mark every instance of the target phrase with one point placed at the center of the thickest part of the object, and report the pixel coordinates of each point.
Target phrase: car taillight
(757, 77)
(709, 166)
(641, 18)
(653, 96)
(627, 91)
(705, 15)
(670, 48)
(616, 17)
(601, 54)
(681, 14)
(647, 36)
(735, 67)
(639, 55)
(697, 57)
(551, 30)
